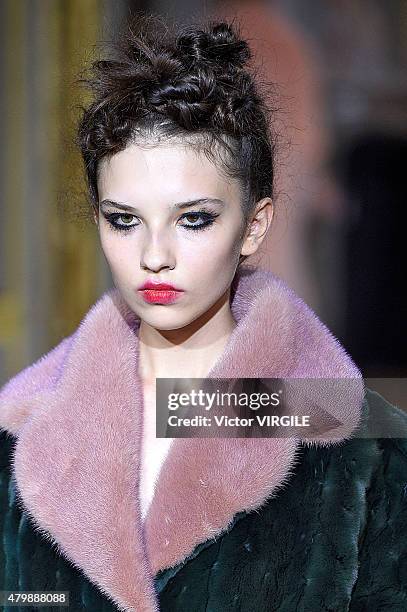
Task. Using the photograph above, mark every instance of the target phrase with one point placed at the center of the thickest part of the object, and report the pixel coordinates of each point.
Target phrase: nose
(156, 253)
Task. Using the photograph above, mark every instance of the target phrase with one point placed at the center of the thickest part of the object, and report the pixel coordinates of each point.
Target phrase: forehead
(165, 171)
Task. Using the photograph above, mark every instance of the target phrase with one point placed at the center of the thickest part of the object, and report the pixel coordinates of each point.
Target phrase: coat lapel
(78, 413)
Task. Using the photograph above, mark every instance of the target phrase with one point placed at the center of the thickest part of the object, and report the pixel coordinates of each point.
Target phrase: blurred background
(339, 70)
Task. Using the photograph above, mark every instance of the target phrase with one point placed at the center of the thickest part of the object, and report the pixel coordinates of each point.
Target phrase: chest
(149, 413)
(153, 450)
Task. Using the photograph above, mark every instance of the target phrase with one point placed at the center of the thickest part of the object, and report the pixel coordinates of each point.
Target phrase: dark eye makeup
(205, 217)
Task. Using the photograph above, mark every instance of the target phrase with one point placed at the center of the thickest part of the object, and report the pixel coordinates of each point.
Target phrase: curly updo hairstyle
(189, 83)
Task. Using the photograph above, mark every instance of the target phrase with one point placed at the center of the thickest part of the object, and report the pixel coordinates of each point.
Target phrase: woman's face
(182, 225)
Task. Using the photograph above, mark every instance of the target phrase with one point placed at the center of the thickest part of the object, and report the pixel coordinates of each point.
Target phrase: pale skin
(183, 339)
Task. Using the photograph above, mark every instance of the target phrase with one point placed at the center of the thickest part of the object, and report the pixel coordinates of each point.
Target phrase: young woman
(179, 160)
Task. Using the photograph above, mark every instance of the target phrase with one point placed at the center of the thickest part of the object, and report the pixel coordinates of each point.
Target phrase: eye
(113, 220)
(197, 220)
(205, 219)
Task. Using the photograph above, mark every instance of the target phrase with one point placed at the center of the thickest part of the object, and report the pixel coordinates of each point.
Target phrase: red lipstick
(159, 293)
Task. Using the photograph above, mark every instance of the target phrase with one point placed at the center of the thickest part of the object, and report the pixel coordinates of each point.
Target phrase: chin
(168, 327)
(166, 320)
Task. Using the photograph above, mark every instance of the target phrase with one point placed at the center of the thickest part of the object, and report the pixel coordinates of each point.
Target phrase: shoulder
(7, 491)
(7, 443)
(382, 433)
(41, 372)
(383, 418)
(17, 395)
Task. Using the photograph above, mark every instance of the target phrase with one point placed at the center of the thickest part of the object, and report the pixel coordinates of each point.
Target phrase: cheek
(215, 245)
(212, 257)
(119, 252)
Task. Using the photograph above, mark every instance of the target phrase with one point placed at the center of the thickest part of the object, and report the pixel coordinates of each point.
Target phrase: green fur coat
(334, 539)
(270, 524)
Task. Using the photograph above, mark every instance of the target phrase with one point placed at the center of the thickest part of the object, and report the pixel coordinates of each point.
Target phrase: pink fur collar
(77, 415)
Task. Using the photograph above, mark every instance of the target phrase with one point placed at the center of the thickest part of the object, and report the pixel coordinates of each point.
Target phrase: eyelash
(208, 216)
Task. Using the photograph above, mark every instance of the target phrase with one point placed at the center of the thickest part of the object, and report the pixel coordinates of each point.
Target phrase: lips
(159, 286)
(159, 293)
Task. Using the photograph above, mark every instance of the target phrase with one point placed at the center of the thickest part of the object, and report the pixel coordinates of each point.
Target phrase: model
(179, 158)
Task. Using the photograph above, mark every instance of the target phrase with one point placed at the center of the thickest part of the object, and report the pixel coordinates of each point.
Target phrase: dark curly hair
(190, 83)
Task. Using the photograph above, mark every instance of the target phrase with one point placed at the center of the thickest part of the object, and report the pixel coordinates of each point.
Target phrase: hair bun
(191, 82)
(220, 45)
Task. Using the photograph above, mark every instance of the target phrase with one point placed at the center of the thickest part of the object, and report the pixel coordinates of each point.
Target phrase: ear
(96, 216)
(258, 226)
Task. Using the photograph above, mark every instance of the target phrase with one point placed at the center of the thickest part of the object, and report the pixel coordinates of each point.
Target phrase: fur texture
(77, 415)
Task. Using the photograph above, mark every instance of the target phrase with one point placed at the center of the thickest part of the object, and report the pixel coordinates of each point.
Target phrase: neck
(190, 351)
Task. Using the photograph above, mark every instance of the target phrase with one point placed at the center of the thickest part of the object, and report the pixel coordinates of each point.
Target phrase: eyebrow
(178, 205)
